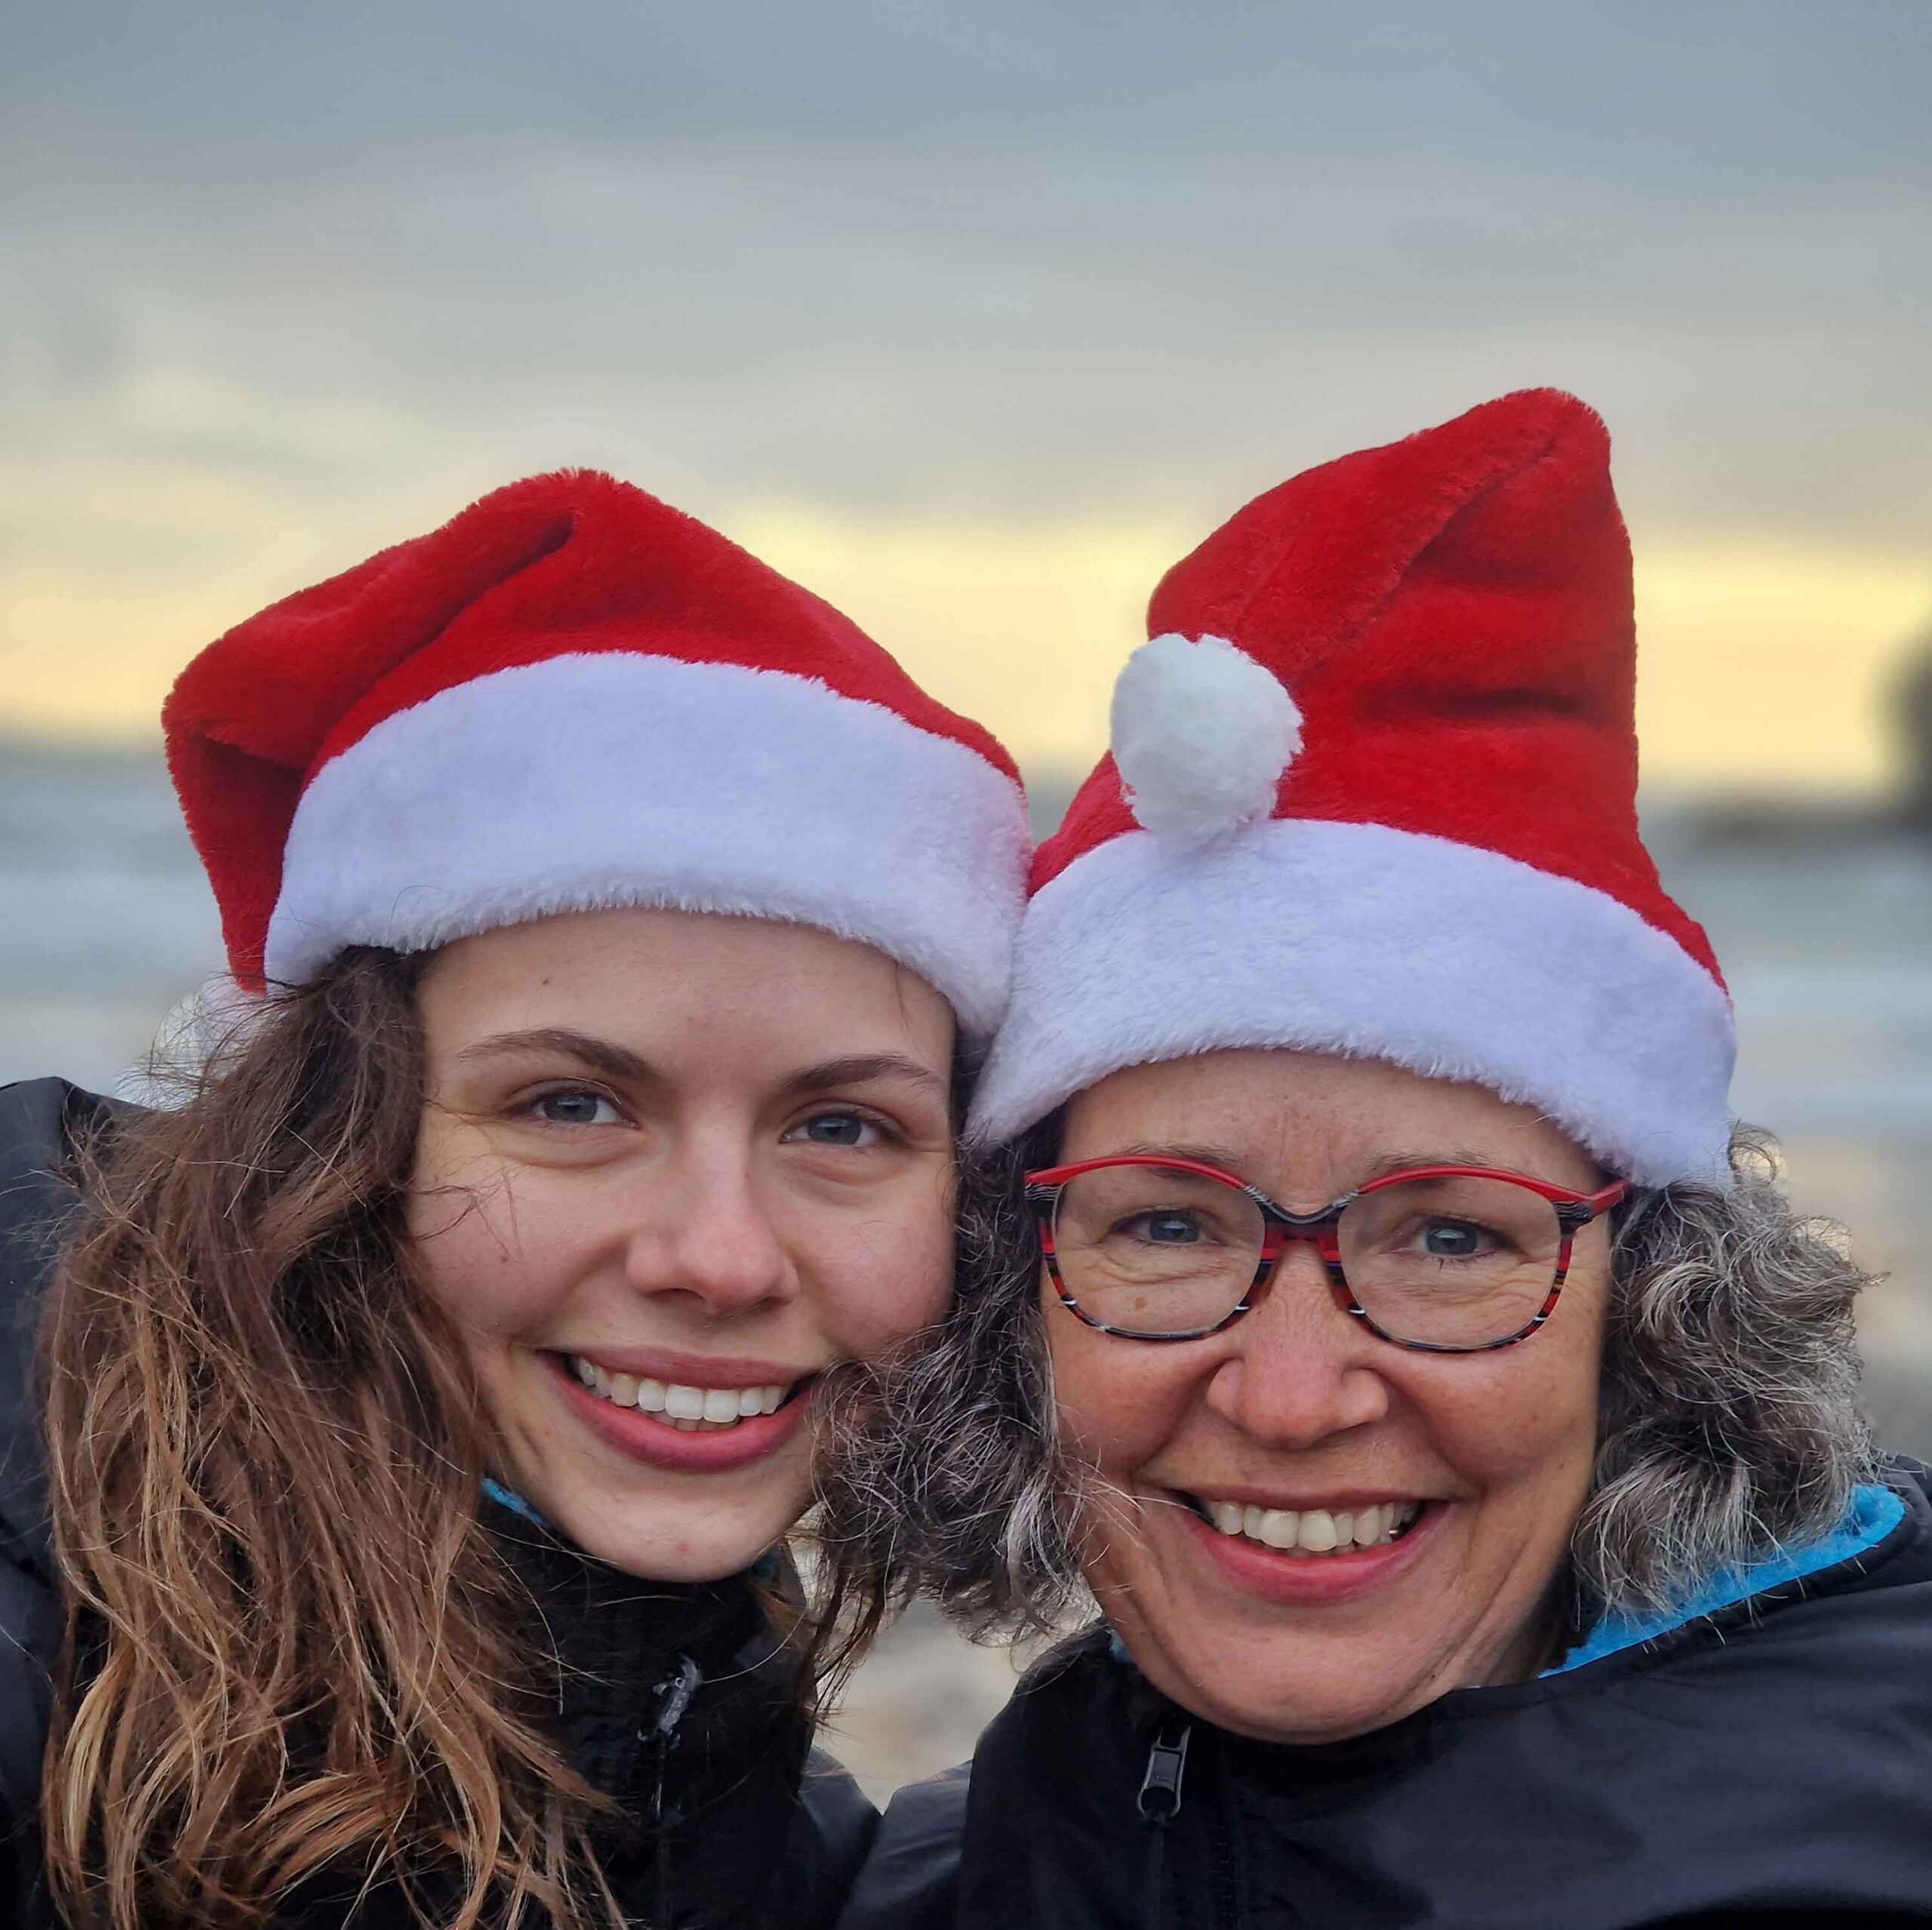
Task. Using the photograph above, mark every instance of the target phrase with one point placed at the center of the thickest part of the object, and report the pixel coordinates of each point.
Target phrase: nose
(712, 1242)
(1302, 1369)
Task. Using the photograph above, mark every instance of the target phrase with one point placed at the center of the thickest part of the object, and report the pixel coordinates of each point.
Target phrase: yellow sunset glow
(1761, 665)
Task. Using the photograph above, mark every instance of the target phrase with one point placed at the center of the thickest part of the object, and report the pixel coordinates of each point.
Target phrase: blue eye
(1456, 1239)
(845, 1129)
(1167, 1228)
(576, 1108)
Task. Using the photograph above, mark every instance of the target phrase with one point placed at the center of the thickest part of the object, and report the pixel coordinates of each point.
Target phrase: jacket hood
(41, 1123)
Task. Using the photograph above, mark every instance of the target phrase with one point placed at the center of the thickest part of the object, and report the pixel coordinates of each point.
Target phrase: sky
(973, 318)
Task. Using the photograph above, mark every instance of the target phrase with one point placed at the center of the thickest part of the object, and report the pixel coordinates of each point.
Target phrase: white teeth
(1279, 1527)
(689, 1409)
(1318, 1530)
(1313, 1531)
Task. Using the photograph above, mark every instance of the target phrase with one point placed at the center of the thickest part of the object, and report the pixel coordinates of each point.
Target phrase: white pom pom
(1202, 734)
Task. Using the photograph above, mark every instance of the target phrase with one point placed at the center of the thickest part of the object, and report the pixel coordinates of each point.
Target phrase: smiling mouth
(690, 1409)
(1314, 1531)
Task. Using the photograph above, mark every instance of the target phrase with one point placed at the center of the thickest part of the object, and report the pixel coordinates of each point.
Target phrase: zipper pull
(674, 1697)
(1159, 1800)
(1159, 1803)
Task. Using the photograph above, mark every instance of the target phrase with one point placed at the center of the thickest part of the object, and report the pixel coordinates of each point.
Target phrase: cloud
(277, 285)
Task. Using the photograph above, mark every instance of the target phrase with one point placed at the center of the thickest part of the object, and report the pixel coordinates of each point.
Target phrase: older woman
(1456, 1428)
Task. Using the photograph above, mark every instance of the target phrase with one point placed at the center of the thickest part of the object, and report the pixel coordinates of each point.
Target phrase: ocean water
(1824, 927)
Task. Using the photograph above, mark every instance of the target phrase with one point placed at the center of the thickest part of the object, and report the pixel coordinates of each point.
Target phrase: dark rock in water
(1795, 826)
(1811, 825)
(1914, 714)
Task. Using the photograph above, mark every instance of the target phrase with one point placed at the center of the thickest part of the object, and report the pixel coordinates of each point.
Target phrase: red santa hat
(1373, 792)
(573, 696)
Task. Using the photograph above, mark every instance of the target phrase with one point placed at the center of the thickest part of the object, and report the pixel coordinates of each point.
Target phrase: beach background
(1822, 919)
(974, 316)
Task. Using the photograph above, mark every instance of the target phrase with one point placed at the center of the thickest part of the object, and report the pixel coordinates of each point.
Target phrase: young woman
(397, 1512)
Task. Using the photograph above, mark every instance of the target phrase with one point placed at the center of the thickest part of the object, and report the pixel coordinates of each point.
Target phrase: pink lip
(645, 1438)
(1312, 1579)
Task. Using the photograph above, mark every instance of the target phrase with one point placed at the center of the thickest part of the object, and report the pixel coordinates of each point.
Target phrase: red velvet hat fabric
(573, 565)
(1380, 800)
(1452, 614)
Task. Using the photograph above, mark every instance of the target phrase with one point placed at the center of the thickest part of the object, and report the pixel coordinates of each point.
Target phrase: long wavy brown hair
(290, 1654)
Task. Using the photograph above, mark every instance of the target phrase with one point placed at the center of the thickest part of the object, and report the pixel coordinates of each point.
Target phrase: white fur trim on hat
(1358, 939)
(644, 780)
(1201, 735)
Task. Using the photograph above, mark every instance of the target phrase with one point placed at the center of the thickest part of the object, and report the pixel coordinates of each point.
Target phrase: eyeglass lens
(1453, 1262)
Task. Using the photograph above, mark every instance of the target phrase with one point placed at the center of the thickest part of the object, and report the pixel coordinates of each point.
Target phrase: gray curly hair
(1730, 1417)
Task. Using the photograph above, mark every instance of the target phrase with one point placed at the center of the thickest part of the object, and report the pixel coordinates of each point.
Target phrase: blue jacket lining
(1874, 1514)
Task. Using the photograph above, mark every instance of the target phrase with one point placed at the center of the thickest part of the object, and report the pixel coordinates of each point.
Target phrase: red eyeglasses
(1441, 1259)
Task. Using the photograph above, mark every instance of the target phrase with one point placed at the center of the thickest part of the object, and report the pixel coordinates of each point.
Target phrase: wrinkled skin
(1297, 1402)
(722, 1138)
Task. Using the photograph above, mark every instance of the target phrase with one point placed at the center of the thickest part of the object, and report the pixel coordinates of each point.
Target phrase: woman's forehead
(693, 995)
(1278, 1114)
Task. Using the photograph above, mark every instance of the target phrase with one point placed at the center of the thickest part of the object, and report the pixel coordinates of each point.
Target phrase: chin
(1289, 1696)
(690, 1543)
(692, 1566)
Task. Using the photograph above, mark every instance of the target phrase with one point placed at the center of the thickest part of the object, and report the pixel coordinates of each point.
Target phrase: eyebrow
(865, 1068)
(1401, 1162)
(1232, 1159)
(601, 1055)
(1200, 1151)
(614, 1061)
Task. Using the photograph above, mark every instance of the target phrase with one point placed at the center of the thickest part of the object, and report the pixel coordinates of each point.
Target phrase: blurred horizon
(973, 319)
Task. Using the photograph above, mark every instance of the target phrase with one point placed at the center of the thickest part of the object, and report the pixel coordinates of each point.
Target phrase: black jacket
(674, 1700)
(1771, 1762)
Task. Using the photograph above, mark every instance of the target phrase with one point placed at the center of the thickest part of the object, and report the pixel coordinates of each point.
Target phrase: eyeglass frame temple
(1574, 1211)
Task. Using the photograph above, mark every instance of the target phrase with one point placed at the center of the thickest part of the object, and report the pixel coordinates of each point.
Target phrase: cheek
(1119, 1401)
(480, 1248)
(1523, 1430)
(1565, 1404)
(873, 1285)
